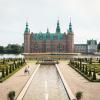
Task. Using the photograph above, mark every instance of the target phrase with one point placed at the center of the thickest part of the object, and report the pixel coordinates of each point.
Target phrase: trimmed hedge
(84, 70)
(10, 66)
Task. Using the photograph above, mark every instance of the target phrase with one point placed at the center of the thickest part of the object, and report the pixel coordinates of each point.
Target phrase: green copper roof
(70, 28)
(46, 36)
(26, 29)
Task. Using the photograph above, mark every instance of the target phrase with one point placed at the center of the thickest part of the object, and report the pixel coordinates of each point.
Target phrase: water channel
(22, 56)
(11, 56)
(46, 85)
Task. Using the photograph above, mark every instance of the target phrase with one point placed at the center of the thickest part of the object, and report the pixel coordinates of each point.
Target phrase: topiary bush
(90, 61)
(7, 71)
(12, 66)
(11, 95)
(10, 69)
(90, 72)
(79, 95)
(83, 69)
(3, 72)
(94, 75)
(99, 61)
(86, 72)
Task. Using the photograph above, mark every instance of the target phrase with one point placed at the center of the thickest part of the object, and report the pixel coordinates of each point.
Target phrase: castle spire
(47, 30)
(58, 27)
(70, 27)
(27, 29)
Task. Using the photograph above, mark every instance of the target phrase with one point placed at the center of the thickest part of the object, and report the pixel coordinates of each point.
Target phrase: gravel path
(16, 82)
(91, 91)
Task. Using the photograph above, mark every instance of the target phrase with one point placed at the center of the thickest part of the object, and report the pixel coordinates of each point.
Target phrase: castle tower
(58, 28)
(70, 39)
(27, 39)
(48, 30)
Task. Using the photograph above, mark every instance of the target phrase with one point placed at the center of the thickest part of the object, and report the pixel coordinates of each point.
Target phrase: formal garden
(87, 67)
(8, 66)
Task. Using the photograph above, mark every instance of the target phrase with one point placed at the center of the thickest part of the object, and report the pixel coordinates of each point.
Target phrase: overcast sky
(43, 14)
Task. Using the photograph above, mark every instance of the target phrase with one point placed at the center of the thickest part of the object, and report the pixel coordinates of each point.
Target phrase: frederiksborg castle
(47, 42)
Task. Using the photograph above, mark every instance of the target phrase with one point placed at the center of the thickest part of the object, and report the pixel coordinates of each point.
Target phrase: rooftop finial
(70, 19)
(26, 24)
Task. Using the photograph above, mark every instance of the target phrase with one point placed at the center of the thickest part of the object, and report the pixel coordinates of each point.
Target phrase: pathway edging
(22, 93)
(71, 95)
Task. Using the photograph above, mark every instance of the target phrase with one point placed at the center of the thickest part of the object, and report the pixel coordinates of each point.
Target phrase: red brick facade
(48, 42)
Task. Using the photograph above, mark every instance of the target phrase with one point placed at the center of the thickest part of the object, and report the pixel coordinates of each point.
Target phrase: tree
(13, 49)
(98, 46)
(22, 48)
(1, 49)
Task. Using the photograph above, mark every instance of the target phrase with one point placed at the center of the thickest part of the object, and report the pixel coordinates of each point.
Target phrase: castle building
(90, 47)
(49, 42)
(80, 48)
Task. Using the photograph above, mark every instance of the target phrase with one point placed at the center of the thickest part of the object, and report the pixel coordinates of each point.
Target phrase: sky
(43, 14)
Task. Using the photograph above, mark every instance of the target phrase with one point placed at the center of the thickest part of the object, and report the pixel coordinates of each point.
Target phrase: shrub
(86, 72)
(10, 69)
(3, 61)
(78, 65)
(90, 73)
(3, 72)
(11, 95)
(83, 69)
(90, 61)
(99, 61)
(7, 70)
(12, 66)
(15, 65)
(94, 75)
(79, 95)
(24, 61)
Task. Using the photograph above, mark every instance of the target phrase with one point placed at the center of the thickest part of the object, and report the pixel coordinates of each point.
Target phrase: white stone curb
(71, 95)
(22, 93)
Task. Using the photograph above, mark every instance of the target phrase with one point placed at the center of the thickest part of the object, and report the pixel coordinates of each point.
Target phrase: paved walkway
(16, 82)
(91, 91)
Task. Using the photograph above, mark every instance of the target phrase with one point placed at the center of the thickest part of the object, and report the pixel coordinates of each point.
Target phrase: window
(36, 46)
